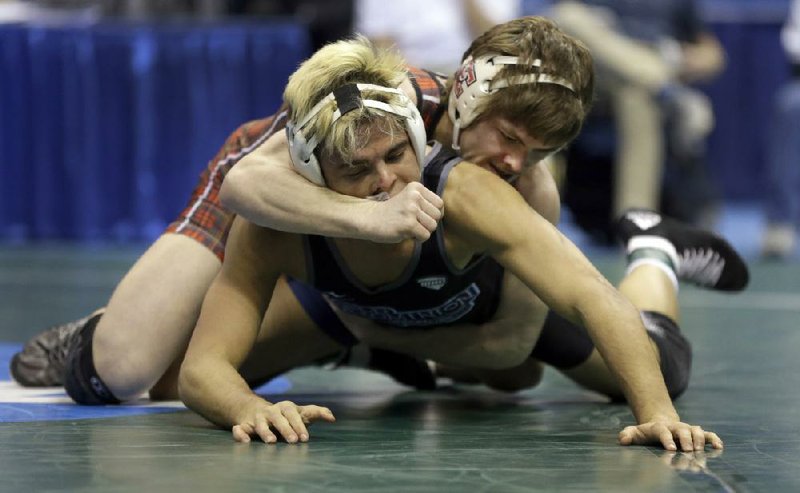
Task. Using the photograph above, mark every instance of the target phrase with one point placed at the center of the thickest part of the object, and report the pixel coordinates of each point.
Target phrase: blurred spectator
(783, 158)
(431, 34)
(646, 54)
(48, 11)
(327, 20)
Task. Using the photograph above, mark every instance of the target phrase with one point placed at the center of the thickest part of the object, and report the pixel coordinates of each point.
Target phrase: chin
(491, 169)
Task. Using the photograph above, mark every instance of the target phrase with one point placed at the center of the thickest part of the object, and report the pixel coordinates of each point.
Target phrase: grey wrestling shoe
(42, 361)
(704, 258)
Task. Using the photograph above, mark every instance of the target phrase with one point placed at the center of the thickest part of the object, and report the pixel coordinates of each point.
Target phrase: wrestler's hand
(413, 213)
(667, 432)
(285, 419)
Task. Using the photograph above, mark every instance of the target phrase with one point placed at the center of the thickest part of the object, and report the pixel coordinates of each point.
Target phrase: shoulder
(480, 208)
(469, 183)
(264, 250)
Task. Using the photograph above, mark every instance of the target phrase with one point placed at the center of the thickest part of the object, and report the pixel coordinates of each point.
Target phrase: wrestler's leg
(146, 326)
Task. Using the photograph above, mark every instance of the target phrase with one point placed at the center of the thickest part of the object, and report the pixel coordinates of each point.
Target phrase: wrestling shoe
(42, 361)
(404, 369)
(700, 257)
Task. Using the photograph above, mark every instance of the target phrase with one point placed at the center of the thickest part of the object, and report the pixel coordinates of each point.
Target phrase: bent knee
(125, 370)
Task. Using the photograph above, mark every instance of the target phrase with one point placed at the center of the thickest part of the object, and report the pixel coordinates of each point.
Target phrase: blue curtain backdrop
(743, 95)
(104, 129)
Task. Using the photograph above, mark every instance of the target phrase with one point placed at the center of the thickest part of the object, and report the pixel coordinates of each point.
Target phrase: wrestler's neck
(357, 248)
(443, 132)
(375, 264)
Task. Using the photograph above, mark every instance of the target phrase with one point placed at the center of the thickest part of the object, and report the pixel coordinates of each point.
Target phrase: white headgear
(474, 80)
(348, 98)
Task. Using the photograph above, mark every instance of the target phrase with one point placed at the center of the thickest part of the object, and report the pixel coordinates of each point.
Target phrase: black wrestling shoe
(703, 258)
(42, 361)
(404, 369)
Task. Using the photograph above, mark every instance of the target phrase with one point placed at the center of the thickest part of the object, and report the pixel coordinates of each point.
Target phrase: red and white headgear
(475, 80)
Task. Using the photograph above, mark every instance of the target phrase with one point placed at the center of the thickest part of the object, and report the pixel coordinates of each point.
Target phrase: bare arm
(551, 266)
(477, 19)
(264, 188)
(209, 382)
(226, 330)
(539, 189)
(702, 60)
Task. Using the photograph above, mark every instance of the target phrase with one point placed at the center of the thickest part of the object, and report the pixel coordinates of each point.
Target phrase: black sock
(81, 380)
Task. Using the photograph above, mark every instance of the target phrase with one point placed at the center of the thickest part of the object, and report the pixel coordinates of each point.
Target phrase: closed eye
(395, 157)
(510, 138)
(356, 171)
(396, 153)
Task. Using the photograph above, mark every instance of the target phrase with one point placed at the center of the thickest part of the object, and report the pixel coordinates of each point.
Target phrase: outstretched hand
(285, 419)
(689, 437)
(413, 213)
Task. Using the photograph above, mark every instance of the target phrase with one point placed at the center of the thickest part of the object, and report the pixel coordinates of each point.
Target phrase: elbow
(231, 190)
(549, 202)
(188, 381)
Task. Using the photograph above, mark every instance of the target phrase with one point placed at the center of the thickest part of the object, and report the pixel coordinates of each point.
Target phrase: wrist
(659, 417)
(245, 406)
(360, 224)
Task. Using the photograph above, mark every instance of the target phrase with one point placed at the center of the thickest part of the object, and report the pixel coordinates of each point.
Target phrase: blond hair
(552, 113)
(333, 66)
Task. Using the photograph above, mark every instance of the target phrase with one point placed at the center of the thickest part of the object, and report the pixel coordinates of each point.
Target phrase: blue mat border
(20, 412)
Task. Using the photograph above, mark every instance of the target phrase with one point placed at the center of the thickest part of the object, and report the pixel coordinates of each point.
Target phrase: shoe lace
(701, 265)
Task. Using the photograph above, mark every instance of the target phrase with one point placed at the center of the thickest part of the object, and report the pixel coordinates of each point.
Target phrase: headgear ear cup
(475, 80)
(415, 127)
(302, 155)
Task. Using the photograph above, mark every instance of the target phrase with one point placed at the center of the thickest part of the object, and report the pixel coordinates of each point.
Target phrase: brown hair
(549, 112)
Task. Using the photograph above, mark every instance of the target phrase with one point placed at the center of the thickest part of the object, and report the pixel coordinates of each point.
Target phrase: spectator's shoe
(703, 258)
(42, 361)
(778, 241)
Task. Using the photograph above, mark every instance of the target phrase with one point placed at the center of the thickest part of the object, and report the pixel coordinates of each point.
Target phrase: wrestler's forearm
(619, 335)
(269, 194)
(214, 389)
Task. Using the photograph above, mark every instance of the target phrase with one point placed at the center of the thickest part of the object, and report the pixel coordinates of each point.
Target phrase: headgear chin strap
(348, 98)
(475, 80)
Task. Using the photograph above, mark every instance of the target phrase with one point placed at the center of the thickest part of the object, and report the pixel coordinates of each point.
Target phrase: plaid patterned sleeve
(431, 96)
(205, 219)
